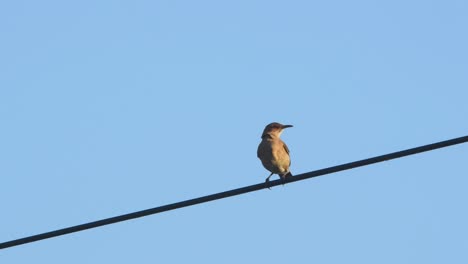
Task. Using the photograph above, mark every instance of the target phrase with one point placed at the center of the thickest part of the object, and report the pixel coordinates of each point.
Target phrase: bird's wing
(286, 148)
(287, 151)
(259, 150)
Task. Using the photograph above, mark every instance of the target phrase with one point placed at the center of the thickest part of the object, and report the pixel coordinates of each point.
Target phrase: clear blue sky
(111, 107)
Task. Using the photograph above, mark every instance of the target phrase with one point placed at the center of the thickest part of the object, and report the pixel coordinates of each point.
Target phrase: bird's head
(274, 129)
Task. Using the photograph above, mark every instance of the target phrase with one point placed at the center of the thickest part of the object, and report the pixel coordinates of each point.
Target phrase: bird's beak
(286, 126)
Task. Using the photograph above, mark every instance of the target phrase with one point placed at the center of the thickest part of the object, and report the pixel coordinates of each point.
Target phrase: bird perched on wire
(273, 152)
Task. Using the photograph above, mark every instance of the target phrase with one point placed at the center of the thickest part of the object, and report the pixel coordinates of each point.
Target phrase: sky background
(110, 107)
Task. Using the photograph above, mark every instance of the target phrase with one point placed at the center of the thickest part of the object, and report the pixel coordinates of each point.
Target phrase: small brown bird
(272, 151)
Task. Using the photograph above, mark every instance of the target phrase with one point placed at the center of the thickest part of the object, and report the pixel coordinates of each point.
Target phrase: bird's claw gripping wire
(283, 181)
(267, 181)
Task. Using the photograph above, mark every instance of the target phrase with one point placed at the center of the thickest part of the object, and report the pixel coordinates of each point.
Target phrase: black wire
(233, 192)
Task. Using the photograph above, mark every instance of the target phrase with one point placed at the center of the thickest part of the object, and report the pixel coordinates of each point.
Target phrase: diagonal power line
(234, 192)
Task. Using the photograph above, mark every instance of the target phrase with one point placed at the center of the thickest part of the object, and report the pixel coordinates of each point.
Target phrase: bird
(273, 152)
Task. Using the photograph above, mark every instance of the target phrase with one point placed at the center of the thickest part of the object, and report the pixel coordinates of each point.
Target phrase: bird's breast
(273, 155)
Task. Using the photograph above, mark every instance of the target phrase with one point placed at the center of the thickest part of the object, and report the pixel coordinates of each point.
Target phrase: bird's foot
(284, 177)
(267, 181)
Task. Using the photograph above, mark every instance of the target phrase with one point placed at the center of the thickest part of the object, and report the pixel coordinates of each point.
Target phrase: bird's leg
(283, 177)
(268, 180)
(283, 180)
